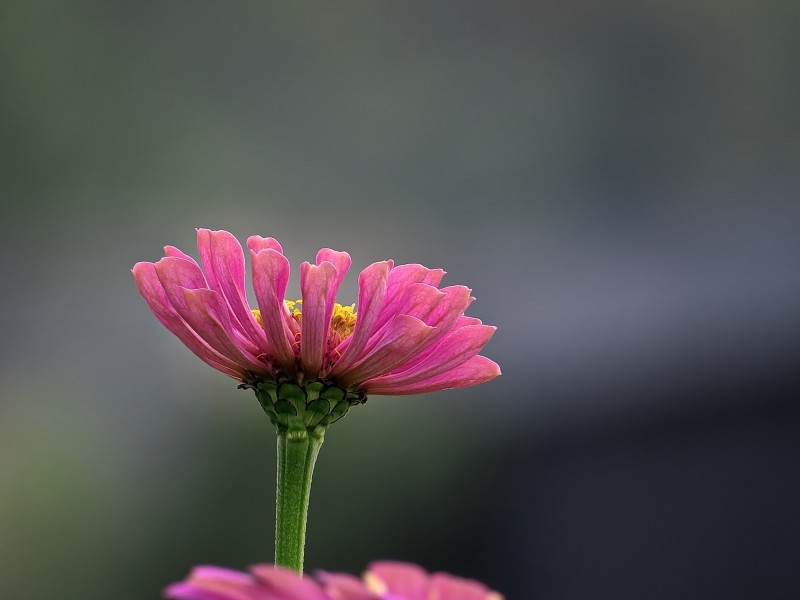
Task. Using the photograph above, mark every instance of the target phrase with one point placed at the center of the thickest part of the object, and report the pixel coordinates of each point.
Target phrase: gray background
(618, 183)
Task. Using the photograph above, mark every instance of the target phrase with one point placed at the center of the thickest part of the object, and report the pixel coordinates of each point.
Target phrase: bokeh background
(617, 181)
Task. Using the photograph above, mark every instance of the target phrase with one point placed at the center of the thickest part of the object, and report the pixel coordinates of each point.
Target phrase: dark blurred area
(618, 183)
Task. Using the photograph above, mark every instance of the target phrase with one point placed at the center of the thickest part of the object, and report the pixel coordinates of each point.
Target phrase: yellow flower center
(342, 322)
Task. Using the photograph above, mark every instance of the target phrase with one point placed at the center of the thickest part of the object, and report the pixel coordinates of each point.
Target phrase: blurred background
(617, 181)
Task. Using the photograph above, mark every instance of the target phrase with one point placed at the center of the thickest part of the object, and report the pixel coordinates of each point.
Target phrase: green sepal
(334, 393)
(292, 407)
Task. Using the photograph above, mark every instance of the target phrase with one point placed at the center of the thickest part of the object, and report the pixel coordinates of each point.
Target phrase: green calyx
(309, 409)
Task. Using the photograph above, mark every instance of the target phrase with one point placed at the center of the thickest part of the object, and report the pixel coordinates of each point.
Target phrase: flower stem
(297, 453)
(300, 415)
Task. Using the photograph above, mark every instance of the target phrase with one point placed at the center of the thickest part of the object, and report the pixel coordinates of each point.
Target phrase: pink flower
(382, 581)
(405, 335)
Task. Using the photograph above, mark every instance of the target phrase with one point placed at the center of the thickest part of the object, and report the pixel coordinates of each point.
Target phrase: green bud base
(312, 407)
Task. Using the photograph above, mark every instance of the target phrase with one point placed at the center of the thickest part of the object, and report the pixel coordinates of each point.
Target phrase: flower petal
(400, 277)
(341, 586)
(447, 587)
(174, 272)
(340, 260)
(463, 321)
(215, 583)
(448, 311)
(288, 584)
(188, 591)
(318, 285)
(220, 573)
(152, 290)
(175, 252)
(270, 278)
(255, 243)
(443, 317)
(418, 301)
(455, 349)
(223, 262)
(407, 581)
(434, 277)
(205, 312)
(446, 314)
(371, 293)
(399, 341)
(477, 369)
(421, 300)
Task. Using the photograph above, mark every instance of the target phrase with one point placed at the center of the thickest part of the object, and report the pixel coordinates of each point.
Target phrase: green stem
(300, 414)
(297, 453)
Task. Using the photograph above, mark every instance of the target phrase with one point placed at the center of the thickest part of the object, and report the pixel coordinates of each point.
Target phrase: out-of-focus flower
(405, 335)
(381, 581)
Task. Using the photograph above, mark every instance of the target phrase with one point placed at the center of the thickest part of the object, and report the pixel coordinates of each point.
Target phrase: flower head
(405, 335)
(381, 581)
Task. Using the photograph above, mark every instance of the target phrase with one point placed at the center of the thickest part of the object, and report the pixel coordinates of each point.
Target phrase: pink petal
(433, 277)
(340, 260)
(188, 591)
(152, 290)
(223, 261)
(399, 341)
(447, 587)
(447, 312)
(371, 292)
(255, 243)
(417, 300)
(477, 369)
(408, 581)
(221, 573)
(205, 246)
(455, 349)
(463, 321)
(318, 285)
(421, 300)
(175, 252)
(270, 278)
(207, 314)
(400, 277)
(174, 272)
(288, 584)
(340, 586)
(443, 317)
(214, 583)
(178, 275)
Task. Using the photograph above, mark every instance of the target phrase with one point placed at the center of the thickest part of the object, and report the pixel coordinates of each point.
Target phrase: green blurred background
(618, 183)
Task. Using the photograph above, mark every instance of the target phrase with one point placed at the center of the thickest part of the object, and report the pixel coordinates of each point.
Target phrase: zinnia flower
(382, 581)
(405, 335)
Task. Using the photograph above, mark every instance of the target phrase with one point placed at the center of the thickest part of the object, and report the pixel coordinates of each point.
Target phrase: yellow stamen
(342, 322)
(295, 309)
